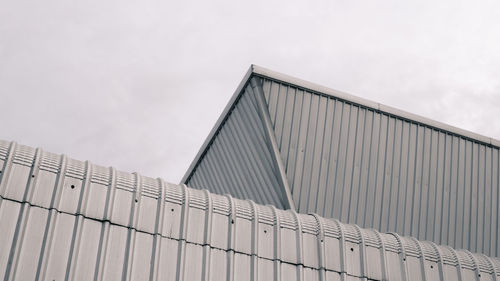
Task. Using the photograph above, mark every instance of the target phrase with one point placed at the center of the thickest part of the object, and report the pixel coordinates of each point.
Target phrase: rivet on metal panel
(231, 219)
(28, 195)
(382, 256)
(401, 249)
(363, 251)
(422, 258)
(134, 214)
(6, 168)
(440, 258)
(476, 264)
(402, 252)
(493, 269)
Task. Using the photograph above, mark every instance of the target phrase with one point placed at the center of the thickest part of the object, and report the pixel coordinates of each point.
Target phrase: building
(300, 146)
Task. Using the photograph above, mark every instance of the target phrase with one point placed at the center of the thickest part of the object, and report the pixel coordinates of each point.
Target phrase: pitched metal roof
(354, 160)
(63, 219)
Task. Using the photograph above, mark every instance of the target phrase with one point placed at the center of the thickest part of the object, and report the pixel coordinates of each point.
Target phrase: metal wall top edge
(297, 82)
(220, 121)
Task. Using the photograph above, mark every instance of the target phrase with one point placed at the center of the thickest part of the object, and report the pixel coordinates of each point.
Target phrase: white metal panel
(176, 236)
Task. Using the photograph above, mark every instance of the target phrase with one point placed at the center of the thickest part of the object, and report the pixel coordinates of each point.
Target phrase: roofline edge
(261, 71)
(206, 144)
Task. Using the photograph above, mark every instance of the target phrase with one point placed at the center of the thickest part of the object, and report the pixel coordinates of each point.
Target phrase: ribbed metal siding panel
(238, 161)
(146, 229)
(364, 166)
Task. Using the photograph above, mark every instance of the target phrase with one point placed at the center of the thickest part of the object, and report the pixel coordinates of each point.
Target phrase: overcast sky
(138, 85)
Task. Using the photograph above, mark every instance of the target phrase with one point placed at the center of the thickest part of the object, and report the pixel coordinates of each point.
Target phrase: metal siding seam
(440, 259)
(342, 247)
(234, 180)
(84, 194)
(300, 247)
(370, 151)
(155, 264)
(103, 251)
(315, 176)
(35, 168)
(382, 256)
(110, 200)
(259, 95)
(336, 157)
(308, 154)
(74, 248)
(57, 192)
(399, 187)
(476, 265)
(181, 253)
(231, 237)
(47, 239)
(294, 140)
(16, 241)
(402, 254)
(134, 214)
(345, 165)
(321, 247)
(246, 165)
(354, 217)
(6, 168)
(458, 265)
(208, 237)
(277, 244)
(495, 274)
(255, 243)
(422, 258)
(258, 167)
(362, 247)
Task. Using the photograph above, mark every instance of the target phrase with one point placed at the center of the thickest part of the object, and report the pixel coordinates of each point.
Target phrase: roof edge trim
(264, 72)
(222, 118)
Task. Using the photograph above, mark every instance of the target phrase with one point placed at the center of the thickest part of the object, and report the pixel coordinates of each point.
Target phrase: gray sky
(139, 84)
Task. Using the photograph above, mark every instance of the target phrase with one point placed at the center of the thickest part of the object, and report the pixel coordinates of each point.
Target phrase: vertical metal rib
(271, 140)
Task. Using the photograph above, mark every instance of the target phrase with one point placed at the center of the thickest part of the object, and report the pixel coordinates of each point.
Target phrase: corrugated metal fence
(62, 219)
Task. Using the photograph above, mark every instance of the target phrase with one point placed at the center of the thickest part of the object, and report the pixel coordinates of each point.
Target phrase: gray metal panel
(361, 165)
(239, 161)
(146, 229)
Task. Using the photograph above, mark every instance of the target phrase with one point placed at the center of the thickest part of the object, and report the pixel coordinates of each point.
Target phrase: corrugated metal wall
(62, 219)
(375, 169)
(239, 159)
